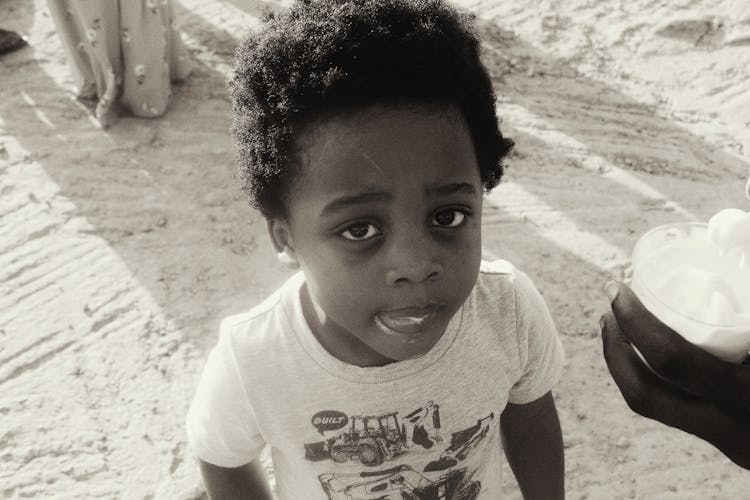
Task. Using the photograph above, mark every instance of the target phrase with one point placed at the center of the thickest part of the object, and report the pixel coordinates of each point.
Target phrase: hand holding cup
(685, 387)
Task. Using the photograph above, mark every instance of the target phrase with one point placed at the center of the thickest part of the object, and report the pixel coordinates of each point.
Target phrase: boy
(392, 363)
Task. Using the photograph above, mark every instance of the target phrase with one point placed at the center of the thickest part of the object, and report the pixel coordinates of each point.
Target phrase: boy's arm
(533, 445)
(247, 482)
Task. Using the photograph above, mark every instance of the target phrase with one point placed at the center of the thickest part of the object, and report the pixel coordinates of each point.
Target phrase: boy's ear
(281, 238)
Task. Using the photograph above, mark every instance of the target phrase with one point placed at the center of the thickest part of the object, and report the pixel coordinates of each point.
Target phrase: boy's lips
(406, 320)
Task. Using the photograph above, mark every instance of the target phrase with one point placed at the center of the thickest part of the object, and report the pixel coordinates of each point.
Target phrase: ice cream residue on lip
(410, 311)
(406, 320)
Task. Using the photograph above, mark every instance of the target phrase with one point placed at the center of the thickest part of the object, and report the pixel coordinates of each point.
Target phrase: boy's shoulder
(500, 278)
(262, 312)
(496, 280)
(498, 266)
(257, 313)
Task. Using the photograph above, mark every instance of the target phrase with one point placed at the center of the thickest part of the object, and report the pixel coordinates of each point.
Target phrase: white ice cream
(696, 279)
(729, 231)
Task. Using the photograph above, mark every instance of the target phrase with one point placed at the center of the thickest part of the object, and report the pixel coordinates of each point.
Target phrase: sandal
(10, 41)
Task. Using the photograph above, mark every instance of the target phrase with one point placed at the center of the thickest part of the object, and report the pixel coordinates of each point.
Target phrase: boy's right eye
(360, 231)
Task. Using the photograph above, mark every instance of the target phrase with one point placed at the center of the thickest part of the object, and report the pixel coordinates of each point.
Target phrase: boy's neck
(338, 342)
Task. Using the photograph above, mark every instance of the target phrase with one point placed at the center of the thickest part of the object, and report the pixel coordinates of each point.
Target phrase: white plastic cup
(652, 255)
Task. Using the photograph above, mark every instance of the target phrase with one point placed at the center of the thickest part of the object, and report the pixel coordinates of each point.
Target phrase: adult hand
(688, 388)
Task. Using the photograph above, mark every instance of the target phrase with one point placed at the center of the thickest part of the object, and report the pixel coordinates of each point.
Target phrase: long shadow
(160, 174)
(161, 194)
(602, 122)
(652, 149)
(139, 149)
(587, 111)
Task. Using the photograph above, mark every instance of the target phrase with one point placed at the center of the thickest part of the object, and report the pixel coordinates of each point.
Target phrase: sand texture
(121, 249)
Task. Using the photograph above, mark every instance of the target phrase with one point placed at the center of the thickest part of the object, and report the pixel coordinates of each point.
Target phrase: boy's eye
(360, 231)
(449, 218)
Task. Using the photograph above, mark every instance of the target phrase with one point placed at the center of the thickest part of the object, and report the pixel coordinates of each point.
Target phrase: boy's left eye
(449, 218)
(360, 231)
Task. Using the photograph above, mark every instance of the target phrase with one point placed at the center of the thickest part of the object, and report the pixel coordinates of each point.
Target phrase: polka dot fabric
(122, 53)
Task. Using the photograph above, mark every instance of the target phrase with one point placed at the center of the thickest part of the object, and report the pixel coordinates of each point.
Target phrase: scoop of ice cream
(730, 229)
(696, 279)
(700, 293)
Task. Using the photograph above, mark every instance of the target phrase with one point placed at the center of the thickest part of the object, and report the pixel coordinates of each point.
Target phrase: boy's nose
(412, 264)
(416, 273)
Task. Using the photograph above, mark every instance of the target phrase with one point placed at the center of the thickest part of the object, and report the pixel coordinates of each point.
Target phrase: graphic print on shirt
(399, 483)
(461, 443)
(372, 440)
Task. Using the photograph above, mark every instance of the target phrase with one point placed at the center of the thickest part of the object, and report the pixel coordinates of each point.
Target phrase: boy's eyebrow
(355, 199)
(452, 188)
(373, 196)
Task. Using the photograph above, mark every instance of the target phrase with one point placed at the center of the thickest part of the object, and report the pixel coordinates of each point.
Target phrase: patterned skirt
(122, 53)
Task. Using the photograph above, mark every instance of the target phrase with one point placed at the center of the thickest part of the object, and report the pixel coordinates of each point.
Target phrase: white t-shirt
(428, 426)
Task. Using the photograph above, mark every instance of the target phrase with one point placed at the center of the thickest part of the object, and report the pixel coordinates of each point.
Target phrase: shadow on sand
(161, 192)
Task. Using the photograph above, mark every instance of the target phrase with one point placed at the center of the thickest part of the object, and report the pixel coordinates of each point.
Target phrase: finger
(649, 396)
(628, 371)
(670, 355)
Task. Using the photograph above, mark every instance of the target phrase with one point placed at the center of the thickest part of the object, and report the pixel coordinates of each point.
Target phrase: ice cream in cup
(695, 277)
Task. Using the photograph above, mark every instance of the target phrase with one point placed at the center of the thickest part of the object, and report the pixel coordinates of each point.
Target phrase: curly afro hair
(324, 57)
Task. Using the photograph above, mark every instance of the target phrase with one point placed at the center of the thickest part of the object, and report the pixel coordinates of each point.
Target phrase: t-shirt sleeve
(221, 427)
(540, 351)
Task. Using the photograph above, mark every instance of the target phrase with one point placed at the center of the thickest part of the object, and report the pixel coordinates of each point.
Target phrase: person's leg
(10, 41)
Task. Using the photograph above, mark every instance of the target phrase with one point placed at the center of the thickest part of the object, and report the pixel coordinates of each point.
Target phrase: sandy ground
(121, 250)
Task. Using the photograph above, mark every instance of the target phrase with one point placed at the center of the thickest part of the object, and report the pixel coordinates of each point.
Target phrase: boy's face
(384, 220)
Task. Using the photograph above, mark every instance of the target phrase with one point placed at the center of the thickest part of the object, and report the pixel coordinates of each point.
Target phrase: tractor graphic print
(372, 439)
(399, 483)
